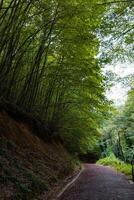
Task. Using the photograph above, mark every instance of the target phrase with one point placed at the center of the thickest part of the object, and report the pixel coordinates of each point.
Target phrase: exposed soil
(29, 167)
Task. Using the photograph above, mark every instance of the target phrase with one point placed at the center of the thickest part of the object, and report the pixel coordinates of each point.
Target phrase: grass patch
(116, 164)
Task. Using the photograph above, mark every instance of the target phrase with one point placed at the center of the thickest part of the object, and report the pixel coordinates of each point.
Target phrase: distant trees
(116, 33)
(118, 132)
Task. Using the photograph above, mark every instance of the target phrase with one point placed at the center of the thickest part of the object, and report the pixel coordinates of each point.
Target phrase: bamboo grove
(49, 65)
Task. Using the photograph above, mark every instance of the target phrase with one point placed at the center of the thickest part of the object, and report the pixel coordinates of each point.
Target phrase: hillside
(56, 61)
(29, 167)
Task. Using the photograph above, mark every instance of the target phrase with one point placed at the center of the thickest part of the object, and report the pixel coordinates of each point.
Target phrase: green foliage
(118, 134)
(49, 65)
(117, 164)
(117, 31)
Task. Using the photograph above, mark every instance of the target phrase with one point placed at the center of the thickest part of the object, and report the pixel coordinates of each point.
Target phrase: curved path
(99, 183)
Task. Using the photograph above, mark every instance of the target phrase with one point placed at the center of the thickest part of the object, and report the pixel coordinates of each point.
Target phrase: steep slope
(29, 167)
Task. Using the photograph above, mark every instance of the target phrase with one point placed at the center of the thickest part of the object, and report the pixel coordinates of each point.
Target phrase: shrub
(117, 164)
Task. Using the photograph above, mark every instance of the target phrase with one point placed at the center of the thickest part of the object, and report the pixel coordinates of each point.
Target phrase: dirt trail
(99, 183)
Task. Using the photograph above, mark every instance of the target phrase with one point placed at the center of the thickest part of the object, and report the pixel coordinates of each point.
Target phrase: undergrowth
(26, 174)
(29, 167)
(117, 164)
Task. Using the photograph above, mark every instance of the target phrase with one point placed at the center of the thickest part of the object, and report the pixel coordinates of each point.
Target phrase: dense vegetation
(52, 87)
(117, 143)
(117, 164)
(118, 132)
(49, 64)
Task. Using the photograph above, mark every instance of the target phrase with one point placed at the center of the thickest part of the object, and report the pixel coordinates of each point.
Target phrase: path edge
(70, 183)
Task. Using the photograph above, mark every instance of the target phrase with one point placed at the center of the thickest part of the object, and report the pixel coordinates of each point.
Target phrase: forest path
(99, 183)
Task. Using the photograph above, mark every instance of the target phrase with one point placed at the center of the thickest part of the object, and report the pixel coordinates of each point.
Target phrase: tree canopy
(49, 63)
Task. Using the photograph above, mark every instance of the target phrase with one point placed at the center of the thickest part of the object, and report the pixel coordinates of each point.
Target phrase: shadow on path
(99, 183)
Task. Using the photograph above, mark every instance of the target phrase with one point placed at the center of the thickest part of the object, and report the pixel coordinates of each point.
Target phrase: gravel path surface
(99, 183)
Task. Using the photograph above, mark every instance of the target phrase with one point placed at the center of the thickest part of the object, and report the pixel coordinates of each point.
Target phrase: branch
(127, 31)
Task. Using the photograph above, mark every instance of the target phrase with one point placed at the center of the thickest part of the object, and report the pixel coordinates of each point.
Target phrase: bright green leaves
(49, 65)
(118, 134)
(117, 30)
